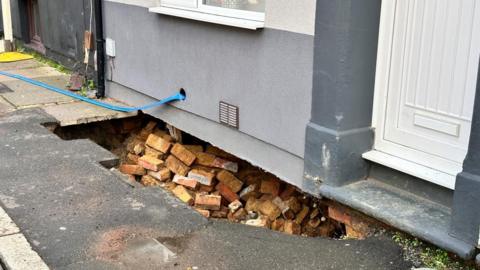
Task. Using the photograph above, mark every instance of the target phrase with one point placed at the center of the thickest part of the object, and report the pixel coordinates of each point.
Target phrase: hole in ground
(217, 184)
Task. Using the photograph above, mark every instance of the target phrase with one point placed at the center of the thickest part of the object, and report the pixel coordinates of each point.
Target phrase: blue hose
(177, 96)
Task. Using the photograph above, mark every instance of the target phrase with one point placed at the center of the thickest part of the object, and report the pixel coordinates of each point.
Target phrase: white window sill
(211, 18)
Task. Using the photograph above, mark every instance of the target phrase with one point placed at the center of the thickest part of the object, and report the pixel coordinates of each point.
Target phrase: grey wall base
(335, 157)
(286, 166)
(465, 223)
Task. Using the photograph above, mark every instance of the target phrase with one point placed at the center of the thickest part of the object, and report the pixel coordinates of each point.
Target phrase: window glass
(248, 5)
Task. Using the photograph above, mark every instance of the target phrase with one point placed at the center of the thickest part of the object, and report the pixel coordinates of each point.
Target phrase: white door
(426, 78)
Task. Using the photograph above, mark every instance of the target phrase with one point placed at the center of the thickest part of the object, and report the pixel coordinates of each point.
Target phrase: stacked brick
(219, 185)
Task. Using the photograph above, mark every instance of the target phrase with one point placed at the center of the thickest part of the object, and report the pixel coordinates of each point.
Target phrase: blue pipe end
(183, 94)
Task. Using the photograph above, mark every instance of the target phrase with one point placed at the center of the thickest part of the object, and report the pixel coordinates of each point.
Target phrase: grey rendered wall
(267, 73)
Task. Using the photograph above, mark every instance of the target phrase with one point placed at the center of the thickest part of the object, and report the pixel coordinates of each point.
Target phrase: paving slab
(5, 106)
(27, 95)
(16, 253)
(32, 73)
(7, 226)
(77, 214)
(25, 64)
(82, 112)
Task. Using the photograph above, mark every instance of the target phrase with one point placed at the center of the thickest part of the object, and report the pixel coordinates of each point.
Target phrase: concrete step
(403, 210)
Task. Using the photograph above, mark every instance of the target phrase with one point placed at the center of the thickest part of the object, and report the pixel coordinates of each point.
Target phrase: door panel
(431, 81)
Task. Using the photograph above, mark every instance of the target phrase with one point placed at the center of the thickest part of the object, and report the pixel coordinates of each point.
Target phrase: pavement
(16, 94)
(66, 209)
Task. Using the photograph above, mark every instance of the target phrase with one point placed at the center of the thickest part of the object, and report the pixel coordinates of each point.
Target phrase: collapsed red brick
(219, 185)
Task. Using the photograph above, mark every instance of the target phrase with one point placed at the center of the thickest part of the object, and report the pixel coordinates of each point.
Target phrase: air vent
(228, 114)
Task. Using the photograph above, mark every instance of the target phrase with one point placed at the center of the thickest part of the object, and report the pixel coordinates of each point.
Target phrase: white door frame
(7, 23)
(429, 169)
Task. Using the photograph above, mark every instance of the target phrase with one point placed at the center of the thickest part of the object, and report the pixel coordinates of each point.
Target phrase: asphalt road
(79, 215)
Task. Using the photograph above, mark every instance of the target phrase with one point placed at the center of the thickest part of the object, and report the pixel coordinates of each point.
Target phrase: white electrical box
(110, 47)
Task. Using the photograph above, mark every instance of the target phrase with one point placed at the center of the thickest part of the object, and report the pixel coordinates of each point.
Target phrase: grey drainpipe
(100, 49)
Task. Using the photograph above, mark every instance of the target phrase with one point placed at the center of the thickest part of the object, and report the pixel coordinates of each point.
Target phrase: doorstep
(403, 210)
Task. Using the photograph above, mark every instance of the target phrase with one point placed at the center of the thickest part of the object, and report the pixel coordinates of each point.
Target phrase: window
(247, 5)
(240, 13)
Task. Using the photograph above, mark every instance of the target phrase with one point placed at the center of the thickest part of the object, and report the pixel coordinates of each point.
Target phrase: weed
(42, 59)
(425, 255)
(83, 91)
(91, 85)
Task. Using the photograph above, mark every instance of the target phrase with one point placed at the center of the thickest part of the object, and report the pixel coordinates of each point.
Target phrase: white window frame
(199, 6)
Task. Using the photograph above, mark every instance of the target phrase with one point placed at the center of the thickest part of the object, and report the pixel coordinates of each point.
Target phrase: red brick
(149, 151)
(294, 205)
(339, 215)
(225, 164)
(203, 212)
(131, 144)
(288, 192)
(138, 149)
(270, 210)
(302, 214)
(277, 224)
(182, 193)
(280, 204)
(252, 204)
(150, 163)
(235, 205)
(150, 126)
(357, 233)
(250, 191)
(206, 189)
(314, 223)
(222, 213)
(266, 197)
(183, 154)
(163, 134)
(204, 159)
(170, 186)
(132, 169)
(292, 227)
(132, 158)
(270, 186)
(176, 166)
(203, 177)
(149, 181)
(193, 148)
(209, 202)
(315, 212)
(186, 181)
(240, 214)
(261, 221)
(226, 192)
(230, 180)
(158, 143)
(162, 175)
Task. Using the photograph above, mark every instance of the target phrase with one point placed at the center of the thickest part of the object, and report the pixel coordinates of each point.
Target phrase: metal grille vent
(228, 114)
